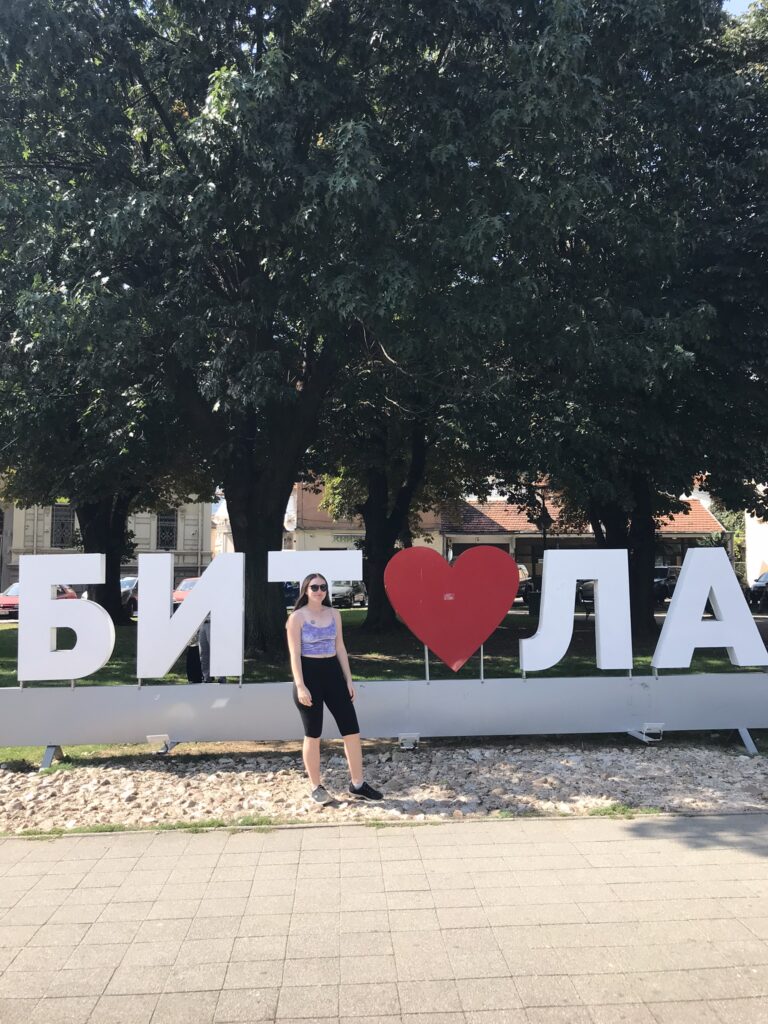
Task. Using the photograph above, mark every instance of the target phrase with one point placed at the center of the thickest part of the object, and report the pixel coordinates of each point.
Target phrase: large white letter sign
(163, 634)
(707, 574)
(40, 615)
(293, 566)
(613, 631)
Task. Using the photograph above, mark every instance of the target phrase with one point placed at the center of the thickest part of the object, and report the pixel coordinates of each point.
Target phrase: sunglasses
(314, 587)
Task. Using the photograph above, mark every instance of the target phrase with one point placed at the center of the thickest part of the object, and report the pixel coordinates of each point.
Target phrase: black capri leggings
(325, 680)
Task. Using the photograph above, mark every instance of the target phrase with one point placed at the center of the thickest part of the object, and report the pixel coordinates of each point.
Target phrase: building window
(166, 531)
(62, 526)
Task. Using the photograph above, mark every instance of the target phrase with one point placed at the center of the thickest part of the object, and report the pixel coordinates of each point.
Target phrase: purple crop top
(318, 639)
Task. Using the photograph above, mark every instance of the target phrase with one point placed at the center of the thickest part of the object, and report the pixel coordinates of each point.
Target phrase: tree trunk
(383, 526)
(642, 557)
(256, 506)
(104, 529)
(378, 548)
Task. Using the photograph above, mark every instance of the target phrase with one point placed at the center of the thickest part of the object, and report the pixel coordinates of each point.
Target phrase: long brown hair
(303, 599)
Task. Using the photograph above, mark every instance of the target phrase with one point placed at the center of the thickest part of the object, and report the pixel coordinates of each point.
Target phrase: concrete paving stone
(625, 1013)
(162, 931)
(678, 956)
(185, 1008)
(531, 913)
(82, 981)
(259, 924)
(598, 989)
(317, 903)
(496, 1017)
(90, 897)
(558, 1015)
(279, 872)
(304, 944)
(742, 953)
(488, 993)
(366, 1000)
(312, 970)
(97, 956)
(654, 910)
(76, 913)
(228, 890)
(198, 977)
(526, 936)
(666, 986)
(141, 979)
(460, 880)
(695, 1012)
(104, 880)
(16, 1011)
(271, 857)
(26, 984)
(24, 914)
(323, 869)
(269, 904)
(151, 954)
(425, 900)
(364, 920)
(63, 1010)
(170, 910)
(348, 869)
(272, 887)
(205, 951)
(7, 955)
(255, 974)
(38, 958)
(106, 932)
(124, 1010)
(361, 969)
(230, 907)
(758, 926)
(489, 963)
(59, 934)
(223, 875)
(259, 947)
(552, 990)
(71, 880)
(740, 1011)
(429, 996)
(413, 920)
(360, 884)
(521, 960)
(353, 944)
(134, 894)
(381, 1018)
(44, 897)
(308, 1001)
(244, 1004)
(366, 900)
(214, 928)
(463, 917)
(177, 892)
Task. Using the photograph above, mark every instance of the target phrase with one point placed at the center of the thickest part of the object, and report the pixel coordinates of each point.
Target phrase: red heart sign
(452, 609)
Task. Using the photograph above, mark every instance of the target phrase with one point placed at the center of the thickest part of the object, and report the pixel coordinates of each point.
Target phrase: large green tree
(278, 186)
(652, 367)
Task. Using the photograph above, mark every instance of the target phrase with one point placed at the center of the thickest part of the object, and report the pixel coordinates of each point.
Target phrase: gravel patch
(434, 782)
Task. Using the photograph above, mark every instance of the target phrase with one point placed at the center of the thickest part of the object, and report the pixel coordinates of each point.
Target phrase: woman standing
(321, 675)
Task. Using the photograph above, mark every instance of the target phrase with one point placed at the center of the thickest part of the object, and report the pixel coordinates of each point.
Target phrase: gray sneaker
(320, 795)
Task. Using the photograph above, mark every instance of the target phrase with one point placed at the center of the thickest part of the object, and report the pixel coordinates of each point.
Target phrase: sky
(736, 6)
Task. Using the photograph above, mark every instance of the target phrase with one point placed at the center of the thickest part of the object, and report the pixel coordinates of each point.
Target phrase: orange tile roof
(473, 517)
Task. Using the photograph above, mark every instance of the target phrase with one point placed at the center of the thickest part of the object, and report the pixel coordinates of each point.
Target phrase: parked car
(349, 594)
(182, 591)
(664, 581)
(291, 593)
(9, 600)
(129, 594)
(758, 592)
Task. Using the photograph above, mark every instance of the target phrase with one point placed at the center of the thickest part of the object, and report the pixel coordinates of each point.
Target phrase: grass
(619, 810)
(260, 822)
(396, 655)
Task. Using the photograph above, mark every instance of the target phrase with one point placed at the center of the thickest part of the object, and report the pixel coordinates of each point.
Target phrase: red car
(183, 589)
(9, 601)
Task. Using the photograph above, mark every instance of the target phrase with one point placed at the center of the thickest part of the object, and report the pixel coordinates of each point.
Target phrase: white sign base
(447, 707)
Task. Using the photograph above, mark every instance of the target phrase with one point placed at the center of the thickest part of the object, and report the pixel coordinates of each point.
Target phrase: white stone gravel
(431, 783)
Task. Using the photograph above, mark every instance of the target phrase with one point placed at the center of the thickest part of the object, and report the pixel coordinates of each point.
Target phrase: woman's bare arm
(293, 628)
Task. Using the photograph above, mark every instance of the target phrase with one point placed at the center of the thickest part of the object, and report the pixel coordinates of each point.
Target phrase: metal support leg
(482, 665)
(748, 742)
(426, 662)
(52, 753)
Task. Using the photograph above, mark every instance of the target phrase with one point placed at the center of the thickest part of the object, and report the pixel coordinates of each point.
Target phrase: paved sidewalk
(587, 920)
